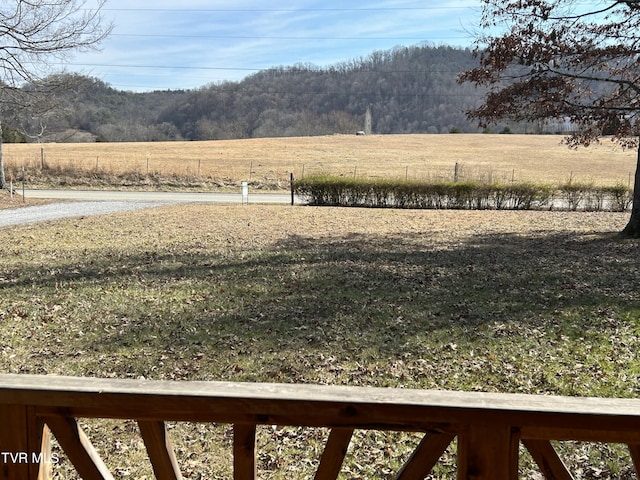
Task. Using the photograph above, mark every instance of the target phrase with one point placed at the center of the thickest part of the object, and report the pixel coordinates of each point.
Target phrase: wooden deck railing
(489, 427)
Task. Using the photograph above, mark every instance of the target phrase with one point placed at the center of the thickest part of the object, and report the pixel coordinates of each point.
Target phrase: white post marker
(245, 192)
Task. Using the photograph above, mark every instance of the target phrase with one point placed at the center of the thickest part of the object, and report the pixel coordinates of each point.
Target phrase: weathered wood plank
(334, 453)
(317, 405)
(547, 459)
(160, 450)
(244, 452)
(488, 452)
(74, 392)
(425, 456)
(78, 448)
(634, 450)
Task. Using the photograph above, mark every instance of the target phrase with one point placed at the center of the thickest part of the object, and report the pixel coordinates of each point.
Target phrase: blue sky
(162, 44)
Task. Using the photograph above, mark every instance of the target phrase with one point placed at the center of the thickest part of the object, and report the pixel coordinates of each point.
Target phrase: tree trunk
(3, 183)
(632, 230)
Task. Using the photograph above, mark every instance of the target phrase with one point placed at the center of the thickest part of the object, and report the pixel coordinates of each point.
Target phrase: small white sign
(245, 192)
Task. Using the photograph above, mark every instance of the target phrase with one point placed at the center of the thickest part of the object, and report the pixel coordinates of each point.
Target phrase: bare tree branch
(546, 59)
(34, 34)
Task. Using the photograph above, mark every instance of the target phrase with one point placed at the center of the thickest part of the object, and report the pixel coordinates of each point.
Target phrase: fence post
(292, 190)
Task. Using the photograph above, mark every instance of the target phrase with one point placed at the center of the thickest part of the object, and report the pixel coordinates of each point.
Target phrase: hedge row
(332, 191)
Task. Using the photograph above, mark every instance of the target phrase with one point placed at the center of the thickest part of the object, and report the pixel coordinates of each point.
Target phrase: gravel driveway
(53, 211)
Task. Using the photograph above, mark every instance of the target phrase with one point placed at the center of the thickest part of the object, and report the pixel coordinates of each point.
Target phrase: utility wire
(260, 37)
(274, 10)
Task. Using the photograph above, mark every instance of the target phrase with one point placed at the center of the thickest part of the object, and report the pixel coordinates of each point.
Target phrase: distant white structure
(367, 121)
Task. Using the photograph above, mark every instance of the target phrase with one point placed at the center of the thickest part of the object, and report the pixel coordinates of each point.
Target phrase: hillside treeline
(406, 90)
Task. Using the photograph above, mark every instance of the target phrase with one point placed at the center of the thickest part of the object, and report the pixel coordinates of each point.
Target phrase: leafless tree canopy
(33, 33)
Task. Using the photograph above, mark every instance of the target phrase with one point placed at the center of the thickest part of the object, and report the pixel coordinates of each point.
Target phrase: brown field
(271, 161)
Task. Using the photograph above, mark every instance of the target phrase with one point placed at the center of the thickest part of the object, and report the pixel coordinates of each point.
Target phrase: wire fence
(37, 162)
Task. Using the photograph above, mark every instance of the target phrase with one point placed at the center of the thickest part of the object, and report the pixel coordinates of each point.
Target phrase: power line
(288, 69)
(160, 67)
(291, 10)
(256, 37)
(473, 5)
(290, 36)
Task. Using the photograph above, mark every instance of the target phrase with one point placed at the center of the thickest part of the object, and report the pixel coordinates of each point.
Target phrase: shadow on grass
(506, 277)
(358, 298)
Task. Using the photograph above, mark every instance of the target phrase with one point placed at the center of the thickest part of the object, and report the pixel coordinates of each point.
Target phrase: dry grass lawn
(509, 301)
(270, 161)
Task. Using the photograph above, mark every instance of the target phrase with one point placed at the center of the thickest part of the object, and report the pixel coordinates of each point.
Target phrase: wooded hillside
(407, 90)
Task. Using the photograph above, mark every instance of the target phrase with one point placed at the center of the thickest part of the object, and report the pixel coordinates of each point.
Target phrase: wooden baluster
(334, 453)
(634, 450)
(244, 452)
(160, 450)
(547, 459)
(488, 452)
(425, 456)
(78, 448)
(20, 443)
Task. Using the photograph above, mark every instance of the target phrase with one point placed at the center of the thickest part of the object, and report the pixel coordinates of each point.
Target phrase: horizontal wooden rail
(488, 426)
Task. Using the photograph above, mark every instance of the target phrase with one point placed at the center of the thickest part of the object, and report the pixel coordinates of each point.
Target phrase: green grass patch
(530, 302)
